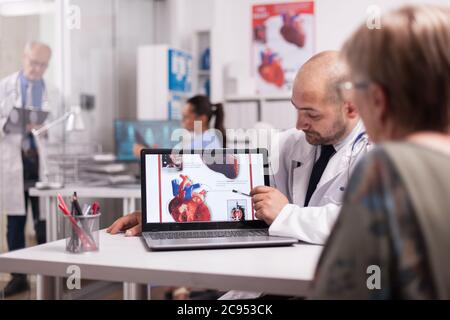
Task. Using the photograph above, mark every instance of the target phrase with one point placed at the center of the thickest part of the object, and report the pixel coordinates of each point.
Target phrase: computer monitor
(150, 133)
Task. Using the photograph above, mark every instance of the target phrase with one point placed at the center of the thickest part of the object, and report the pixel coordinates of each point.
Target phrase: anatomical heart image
(270, 68)
(283, 39)
(259, 33)
(226, 164)
(292, 29)
(188, 204)
(236, 210)
(172, 161)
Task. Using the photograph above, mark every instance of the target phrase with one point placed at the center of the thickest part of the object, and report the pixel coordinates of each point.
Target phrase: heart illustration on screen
(188, 204)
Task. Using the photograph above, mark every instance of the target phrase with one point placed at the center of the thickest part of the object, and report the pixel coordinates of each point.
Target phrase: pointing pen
(239, 192)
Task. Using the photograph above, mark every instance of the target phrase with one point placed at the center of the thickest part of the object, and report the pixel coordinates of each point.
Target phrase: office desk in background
(277, 270)
(128, 195)
(54, 220)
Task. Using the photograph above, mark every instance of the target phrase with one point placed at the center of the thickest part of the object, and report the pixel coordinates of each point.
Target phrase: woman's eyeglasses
(346, 89)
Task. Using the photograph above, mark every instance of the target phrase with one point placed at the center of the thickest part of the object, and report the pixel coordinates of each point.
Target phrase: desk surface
(103, 192)
(282, 270)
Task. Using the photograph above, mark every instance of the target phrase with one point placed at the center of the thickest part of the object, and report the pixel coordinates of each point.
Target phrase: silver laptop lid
(201, 189)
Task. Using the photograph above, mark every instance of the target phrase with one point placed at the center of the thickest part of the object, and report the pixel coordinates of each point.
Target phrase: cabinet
(164, 82)
(202, 65)
(247, 111)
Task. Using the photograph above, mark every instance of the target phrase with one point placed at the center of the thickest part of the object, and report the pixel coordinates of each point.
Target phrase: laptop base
(215, 243)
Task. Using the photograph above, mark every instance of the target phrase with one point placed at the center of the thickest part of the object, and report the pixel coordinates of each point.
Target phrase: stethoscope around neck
(16, 94)
(359, 145)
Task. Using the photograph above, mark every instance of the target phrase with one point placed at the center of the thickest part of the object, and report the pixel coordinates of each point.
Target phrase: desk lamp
(74, 122)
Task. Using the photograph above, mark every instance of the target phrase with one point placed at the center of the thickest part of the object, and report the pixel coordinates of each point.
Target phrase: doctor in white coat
(15, 90)
(302, 204)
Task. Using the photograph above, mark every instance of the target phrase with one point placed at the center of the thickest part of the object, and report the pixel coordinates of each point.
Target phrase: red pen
(95, 207)
(62, 203)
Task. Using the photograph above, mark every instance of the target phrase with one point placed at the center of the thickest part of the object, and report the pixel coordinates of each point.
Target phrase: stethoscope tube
(361, 138)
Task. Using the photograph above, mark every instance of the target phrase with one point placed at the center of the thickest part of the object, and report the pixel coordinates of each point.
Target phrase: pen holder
(82, 233)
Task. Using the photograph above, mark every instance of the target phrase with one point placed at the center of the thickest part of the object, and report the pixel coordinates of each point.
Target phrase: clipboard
(19, 117)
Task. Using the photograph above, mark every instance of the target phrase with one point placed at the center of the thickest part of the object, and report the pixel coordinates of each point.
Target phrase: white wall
(91, 69)
(335, 20)
(103, 61)
(134, 28)
(231, 43)
(187, 17)
(25, 28)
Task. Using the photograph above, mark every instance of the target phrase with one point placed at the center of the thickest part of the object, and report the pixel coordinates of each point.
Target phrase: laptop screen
(195, 188)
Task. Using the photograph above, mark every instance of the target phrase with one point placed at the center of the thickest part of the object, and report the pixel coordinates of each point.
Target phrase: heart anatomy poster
(283, 39)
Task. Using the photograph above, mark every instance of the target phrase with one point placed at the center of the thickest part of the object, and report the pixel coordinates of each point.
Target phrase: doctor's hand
(137, 147)
(30, 127)
(268, 203)
(131, 224)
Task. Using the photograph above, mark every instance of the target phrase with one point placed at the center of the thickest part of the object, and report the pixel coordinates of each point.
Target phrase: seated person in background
(391, 240)
(196, 119)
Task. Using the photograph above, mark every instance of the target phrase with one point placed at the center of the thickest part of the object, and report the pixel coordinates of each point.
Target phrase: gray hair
(30, 45)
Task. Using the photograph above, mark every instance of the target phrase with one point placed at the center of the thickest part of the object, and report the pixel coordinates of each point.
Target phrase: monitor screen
(183, 188)
(149, 133)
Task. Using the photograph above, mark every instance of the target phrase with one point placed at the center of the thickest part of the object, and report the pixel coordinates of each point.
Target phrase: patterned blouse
(376, 250)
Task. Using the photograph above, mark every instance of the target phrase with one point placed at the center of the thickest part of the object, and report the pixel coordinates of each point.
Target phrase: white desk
(282, 270)
(128, 196)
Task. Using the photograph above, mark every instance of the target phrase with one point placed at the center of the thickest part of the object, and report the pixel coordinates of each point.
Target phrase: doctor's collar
(25, 80)
(351, 137)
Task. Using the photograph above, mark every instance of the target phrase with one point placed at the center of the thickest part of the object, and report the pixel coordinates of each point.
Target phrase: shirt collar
(351, 137)
(25, 81)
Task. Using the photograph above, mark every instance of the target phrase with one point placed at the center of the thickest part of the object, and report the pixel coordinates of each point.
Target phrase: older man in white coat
(313, 161)
(19, 158)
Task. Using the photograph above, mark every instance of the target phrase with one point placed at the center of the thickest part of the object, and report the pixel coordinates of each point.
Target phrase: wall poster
(283, 39)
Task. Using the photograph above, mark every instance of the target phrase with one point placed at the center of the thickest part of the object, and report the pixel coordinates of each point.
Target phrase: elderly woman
(392, 237)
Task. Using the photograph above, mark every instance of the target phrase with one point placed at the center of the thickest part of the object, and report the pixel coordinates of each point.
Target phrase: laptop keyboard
(207, 234)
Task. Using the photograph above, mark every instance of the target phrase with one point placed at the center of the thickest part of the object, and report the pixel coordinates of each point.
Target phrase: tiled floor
(27, 295)
(116, 293)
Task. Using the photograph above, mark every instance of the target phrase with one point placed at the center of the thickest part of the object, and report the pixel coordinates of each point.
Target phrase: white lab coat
(11, 171)
(292, 166)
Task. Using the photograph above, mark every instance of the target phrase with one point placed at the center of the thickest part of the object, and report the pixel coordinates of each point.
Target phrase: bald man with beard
(312, 162)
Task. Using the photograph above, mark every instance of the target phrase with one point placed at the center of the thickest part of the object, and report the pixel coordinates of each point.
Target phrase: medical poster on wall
(283, 39)
(180, 81)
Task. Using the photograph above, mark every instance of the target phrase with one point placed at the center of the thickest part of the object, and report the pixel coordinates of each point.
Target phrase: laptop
(195, 199)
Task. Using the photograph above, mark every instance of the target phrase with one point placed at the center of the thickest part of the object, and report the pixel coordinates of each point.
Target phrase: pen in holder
(82, 233)
(80, 228)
